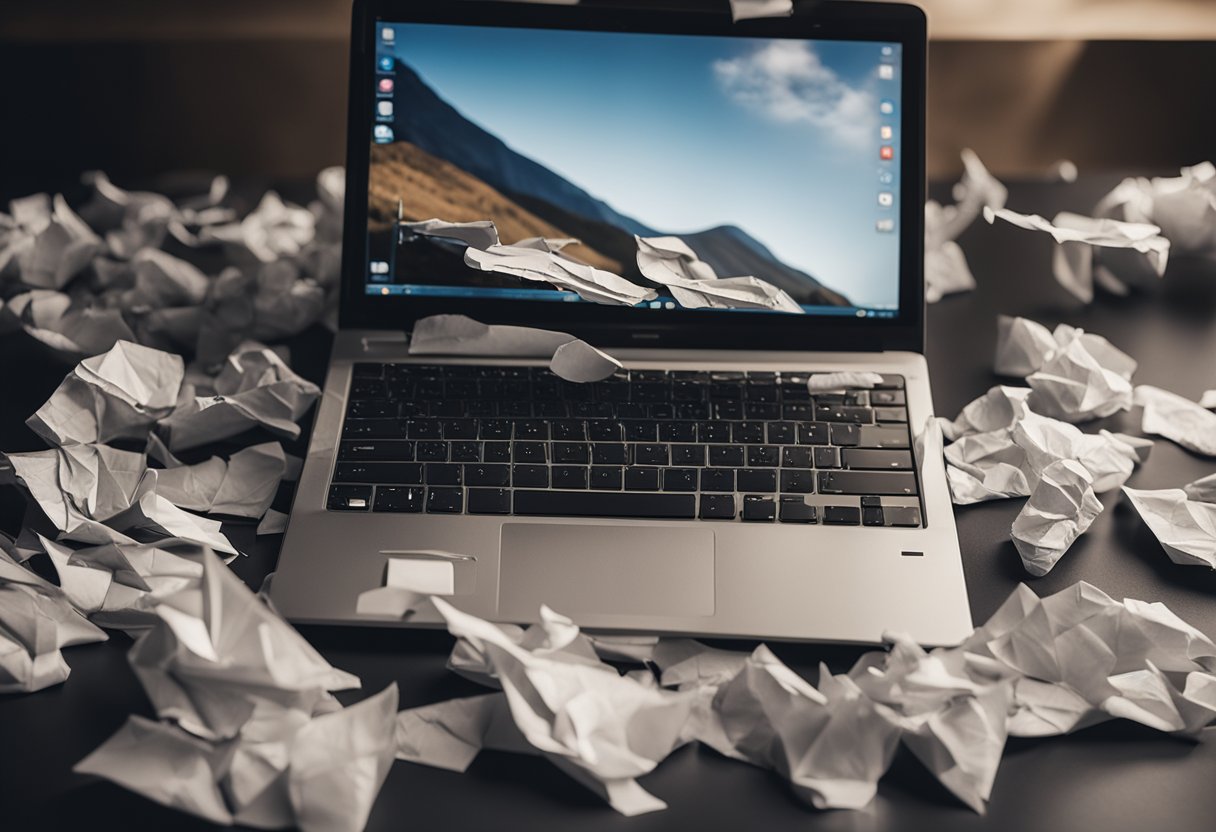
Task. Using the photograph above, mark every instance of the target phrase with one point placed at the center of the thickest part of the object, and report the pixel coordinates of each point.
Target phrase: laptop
(705, 488)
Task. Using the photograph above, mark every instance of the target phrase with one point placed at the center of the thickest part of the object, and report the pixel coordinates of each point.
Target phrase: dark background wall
(257, 88)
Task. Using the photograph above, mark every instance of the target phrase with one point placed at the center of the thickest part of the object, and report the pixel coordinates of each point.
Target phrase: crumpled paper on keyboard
(1182, 519)
(946, 269)
(37, 619)
(1178, 419)
(1038, 667)
(250, 733)
(569, 358)
(1060, 509)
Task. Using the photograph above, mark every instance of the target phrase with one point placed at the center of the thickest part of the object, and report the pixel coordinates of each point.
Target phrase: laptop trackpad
(614, 570)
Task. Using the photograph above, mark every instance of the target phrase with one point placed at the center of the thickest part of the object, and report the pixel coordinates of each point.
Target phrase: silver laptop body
(725, 577)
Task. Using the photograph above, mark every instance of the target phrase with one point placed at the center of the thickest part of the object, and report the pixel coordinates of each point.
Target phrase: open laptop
(704, 489)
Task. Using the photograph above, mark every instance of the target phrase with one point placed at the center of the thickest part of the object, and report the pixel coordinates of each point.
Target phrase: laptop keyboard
(709, 445)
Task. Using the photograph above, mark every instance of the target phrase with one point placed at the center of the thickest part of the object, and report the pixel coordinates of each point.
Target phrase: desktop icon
(885, 132)
(382, 133)
(384, 109)
(885, 226)
(385, 63)
(886, 199)
(385, 86)
(387, 34)
(886, 153)
(886, 72)
(885, 176)
(886, 106)
(888, 51)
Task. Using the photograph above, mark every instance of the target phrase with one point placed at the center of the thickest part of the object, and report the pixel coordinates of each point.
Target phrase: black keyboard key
(604, 431)
(606, 477)
(349, 498)
(867, 482)
(679, 479)
(605, 504)
(757, 480)
(569, 476)
(902, 516)
(717, 507)
(796, 457)
(362, 388)
(531, 429)
(465, 451)
(894, 415)
(373, 429)
(687, 391)
(720, 391)
(871, 516)
(404, 499)
(887, 398)
(782, 433)
(530, 476)
(609, 453)
(460, 388)
(432, 451)
(795, 510)
(884, 436)
(846, 435)
(813, 433)
(796, 481)
(460, 429)
(640, 431)
(871, 502)
(678, 432)
(489, 501)
(758, 509)
(763, 456)
(533, 452)
(444, 500)
(442, 473)
(763, 392)
(762, 410)
(649, 391)
(827, 457)
(844, 413)
(650, 454)
(571, 453)
(798, 412)
(371, 409)
(692, 410)
(491, 475)
(447, 407)
(876, 460)
(642, 479)
(389, 473)
(841, 515)
(380, 450)
(718, 479)
(688, 455)
(726, 455)
(708, 432)
(495, 429)
(591, 410)
(514, 407)
(568, 430)
(751, 433)
(423, 429)
(496, 452)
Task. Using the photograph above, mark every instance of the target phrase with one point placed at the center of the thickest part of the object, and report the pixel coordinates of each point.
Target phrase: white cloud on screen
(787, 82)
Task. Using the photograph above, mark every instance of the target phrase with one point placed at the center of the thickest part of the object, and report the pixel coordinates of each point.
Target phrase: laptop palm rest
(614, 570)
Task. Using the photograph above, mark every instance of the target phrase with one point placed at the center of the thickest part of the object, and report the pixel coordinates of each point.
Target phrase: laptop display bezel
(623, 326)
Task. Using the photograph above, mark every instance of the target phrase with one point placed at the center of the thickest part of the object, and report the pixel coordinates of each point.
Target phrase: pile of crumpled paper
(124, 268)
(1039, 667)
(1022, 441)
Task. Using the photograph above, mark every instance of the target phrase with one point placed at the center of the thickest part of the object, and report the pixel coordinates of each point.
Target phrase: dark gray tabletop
(1115, 776)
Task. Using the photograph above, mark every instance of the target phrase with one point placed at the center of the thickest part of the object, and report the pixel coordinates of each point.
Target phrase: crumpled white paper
(1178, 419)
(670, 262)
(946, 269)
(1183, 520)
(242, 486)
(818, 382)
(1183, 206)
(1061, 508)
(37, 618)
(748, 9)
(569, 358)
(250, 733)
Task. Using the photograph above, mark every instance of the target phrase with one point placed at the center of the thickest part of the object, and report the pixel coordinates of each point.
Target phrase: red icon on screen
(886, 152)
(385, 85)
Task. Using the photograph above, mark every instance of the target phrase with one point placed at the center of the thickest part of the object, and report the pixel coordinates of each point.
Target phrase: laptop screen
(635, 169)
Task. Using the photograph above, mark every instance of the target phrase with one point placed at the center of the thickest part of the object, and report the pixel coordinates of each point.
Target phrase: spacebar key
(601, 504)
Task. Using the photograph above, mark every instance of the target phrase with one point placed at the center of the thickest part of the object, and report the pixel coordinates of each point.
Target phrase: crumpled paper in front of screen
(254, 388)
(569, 358)
(1084, 658)
(1075, 375)
(37, 619)
(1178, 419)
(250, 733)
(118, 395)
(946, 269)
(1061, 508)
(98, 494)
(671, 263)
(1182, 519)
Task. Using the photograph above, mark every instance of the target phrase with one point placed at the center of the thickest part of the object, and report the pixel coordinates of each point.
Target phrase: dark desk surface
(1115, 776)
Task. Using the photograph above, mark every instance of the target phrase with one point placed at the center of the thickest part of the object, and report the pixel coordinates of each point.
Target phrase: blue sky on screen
(780, 138)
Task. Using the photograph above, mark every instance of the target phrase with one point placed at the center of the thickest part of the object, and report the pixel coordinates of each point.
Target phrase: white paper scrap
(1060, 509)
(1177, 419)
(670, 262)
(1184, 525)
(818, 382)
(1022, 346)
